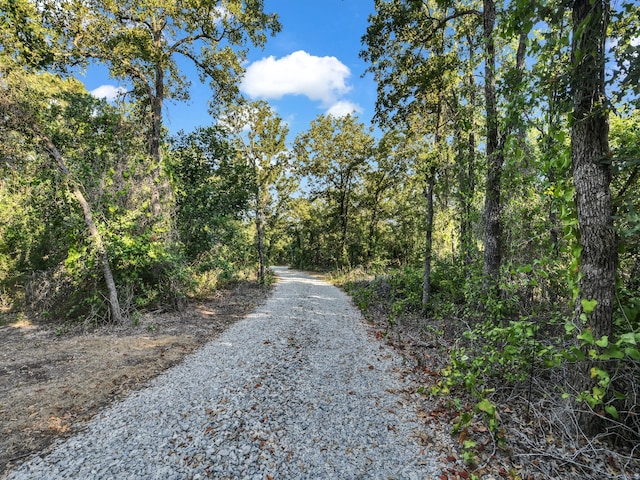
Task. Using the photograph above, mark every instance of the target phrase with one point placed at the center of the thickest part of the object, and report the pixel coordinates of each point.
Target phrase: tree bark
(373, 222)
(260, 237)
(495, 159)
(426, 284)
(495, 149)
(154, 142)
(431, 179)
(114, 303)
(592, 178)
(345, 191)
(466, 151)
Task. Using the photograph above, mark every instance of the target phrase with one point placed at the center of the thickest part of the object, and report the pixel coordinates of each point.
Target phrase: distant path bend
(298, 389)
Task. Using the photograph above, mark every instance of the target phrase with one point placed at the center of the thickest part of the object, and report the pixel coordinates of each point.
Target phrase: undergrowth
(507, 368)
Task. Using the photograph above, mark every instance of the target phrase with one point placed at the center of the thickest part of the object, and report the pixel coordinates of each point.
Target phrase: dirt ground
(53, 379)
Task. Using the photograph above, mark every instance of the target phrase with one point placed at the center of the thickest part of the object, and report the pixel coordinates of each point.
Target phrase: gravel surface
(298, 389)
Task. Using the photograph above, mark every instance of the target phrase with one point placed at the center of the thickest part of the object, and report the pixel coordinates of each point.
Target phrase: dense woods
(499, 191)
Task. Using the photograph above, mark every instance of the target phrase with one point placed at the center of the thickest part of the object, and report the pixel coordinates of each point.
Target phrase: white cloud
(318, 78)
(344, 108)
(109, 92)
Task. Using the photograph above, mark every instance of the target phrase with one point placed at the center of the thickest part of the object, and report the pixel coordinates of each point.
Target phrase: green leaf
(633, 353)
(611, 410)
(487, 407)
(469, 444)
(587, 337)
(588, 305)
(619, 395)
(612, 352)
(627, 338)
(603, 342)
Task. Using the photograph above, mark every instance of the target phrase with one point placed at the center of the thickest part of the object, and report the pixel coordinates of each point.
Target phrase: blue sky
(311, 67)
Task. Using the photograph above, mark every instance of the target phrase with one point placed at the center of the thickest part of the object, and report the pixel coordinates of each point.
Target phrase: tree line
(502, 180)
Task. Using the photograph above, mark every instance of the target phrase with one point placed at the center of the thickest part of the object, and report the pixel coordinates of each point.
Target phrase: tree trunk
(469, 186)
(592, 177)
(431, 179)
(373, 222)
(114, 303)
(260, 240)
(154, 142)
(426, 284)
(344, 222)
(495, 159)
(465, 170)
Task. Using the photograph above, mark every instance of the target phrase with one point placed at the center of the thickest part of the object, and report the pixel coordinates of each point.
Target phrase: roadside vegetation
(503, 388)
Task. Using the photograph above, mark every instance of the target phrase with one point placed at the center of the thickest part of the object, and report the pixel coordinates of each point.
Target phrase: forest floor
(53, 379)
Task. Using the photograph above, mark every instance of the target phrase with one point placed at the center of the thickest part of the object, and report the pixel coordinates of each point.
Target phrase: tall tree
(497, 135)
(260, 136)
(211, 189)
(592, 179)
(494, 152)
(140, 42)
(414, 59)
(39, 111)
(387, 169)
(332, 155)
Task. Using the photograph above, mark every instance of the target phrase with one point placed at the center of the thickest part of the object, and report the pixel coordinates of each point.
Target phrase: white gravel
(298, 389)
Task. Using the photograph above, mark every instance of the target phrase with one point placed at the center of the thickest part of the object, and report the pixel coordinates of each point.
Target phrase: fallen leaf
(57, 424)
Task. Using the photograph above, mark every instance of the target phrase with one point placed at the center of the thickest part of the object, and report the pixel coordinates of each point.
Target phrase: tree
(260, 137)
(25, 41)
(415, 60)
(592, 178)
(387, 170)
(496, 139)
(332, 155)
(211, 189)
(23, 106)
(140, 42)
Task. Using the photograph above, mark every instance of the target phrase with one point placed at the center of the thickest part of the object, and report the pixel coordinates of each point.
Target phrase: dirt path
(54, 379)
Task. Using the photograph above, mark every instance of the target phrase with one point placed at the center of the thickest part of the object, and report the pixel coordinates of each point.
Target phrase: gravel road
(298, 389)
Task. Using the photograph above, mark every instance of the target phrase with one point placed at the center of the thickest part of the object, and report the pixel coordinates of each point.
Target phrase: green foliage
(259, 136)
(615, 362)
(616, 366)
(400, 290)
(406, 290)
(332, 156)
(489, 358)
(212, 189)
